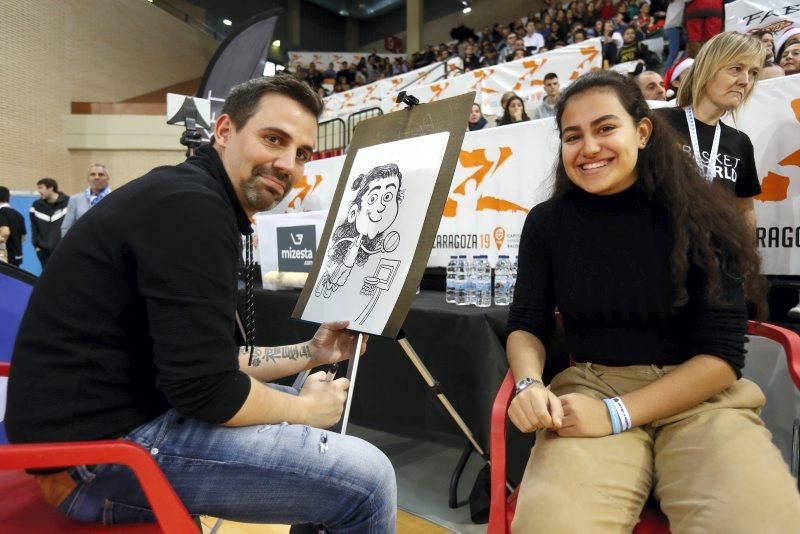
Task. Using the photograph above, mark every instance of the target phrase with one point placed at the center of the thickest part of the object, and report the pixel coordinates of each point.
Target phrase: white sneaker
(794, 313)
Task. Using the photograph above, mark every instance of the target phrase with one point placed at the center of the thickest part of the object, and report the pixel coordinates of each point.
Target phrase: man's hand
(584, 417)
(323, 401)
(334, 343)
(535, 407)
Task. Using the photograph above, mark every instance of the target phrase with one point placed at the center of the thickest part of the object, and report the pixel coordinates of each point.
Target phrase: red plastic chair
(652, 520)
(22, 508)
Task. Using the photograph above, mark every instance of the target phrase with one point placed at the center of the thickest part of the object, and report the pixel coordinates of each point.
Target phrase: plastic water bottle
(461, 281)
(471, 281)
(501, 275)
(450, 281)
(512, 284)
(483, 298)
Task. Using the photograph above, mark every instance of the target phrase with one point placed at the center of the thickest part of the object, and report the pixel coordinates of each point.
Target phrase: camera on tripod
(194, 114)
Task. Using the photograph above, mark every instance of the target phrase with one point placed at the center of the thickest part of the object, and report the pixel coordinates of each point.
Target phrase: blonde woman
(719, 82)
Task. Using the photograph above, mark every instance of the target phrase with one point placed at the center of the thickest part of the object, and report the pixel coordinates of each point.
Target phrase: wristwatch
(527, 381)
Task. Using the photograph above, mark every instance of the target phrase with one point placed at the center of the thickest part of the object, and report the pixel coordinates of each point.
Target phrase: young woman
(476, 119)
(513, 111)
(719, 82)
(650, 269)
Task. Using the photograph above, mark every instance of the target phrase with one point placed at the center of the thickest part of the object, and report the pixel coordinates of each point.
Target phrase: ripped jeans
(287, 474)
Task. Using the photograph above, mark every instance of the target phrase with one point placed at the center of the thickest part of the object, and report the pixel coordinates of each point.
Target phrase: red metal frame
(170, 512)
(501, 510)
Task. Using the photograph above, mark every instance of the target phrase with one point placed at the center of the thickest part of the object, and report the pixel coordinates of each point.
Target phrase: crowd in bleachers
(629, 30)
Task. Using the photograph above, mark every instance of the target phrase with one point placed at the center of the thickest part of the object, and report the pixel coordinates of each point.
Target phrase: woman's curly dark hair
(709, 233)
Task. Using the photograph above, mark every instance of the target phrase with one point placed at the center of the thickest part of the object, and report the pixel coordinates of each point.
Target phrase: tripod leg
(457, 472)
(434, 387)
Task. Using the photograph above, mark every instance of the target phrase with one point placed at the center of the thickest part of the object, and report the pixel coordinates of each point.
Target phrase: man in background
(651, 84)
(12, 228)
(548, 106)
(46, 215)
(79, 203)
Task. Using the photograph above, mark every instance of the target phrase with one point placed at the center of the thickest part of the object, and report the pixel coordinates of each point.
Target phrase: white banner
(772, 120)
(776, 16)
(321, 60)
(503, 172)
(526, 76)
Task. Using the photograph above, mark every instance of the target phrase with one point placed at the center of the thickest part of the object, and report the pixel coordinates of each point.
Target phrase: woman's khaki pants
(713, 468)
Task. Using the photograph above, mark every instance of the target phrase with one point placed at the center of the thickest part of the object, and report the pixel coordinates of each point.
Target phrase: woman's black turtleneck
(604, 262)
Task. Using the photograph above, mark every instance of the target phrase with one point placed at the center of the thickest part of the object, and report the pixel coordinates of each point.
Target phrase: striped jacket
(46, 221)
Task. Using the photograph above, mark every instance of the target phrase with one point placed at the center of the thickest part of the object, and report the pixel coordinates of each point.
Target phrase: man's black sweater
(135, 312)
(604, 261)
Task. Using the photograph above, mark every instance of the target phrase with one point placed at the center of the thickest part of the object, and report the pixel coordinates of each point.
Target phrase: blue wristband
(616, 426)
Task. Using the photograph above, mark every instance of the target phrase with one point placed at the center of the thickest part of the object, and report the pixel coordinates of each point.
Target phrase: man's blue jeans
(287, 474)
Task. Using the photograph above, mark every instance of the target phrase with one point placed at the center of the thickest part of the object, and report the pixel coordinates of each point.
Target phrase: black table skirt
(462, 346)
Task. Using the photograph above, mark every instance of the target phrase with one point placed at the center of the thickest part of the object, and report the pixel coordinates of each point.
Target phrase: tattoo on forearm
(273, 354)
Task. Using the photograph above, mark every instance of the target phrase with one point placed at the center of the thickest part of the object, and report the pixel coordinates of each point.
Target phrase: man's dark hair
(243, 100)
(5, 194)
(49, 183)
(550, 76)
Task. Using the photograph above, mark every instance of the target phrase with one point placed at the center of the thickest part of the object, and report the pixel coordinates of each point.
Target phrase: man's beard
(255, 194)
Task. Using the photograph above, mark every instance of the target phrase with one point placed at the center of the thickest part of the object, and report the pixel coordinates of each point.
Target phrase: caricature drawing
(361, 234)
(374, 285)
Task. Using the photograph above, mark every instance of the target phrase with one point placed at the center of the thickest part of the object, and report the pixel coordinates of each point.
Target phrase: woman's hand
(584, 417)
(535, 407)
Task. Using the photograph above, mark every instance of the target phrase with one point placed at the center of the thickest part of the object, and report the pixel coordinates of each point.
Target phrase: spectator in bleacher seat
(645, 20)
(505, 97)
(507, 49)
(578, 36)
(607, 10)
(790, 59)
(313, 76)
(789, 37)
(651, 271)
(719, 82)
(596, 30)
(771, 69)
(675, 75)
(651, 85)
(344, 71)
(703, 21)
(471, 60)
(631, 49)
(98, 179)
(47, 214)
(532, 40)
(476, 119)
(329, 73)
(612, 41)
(513, 112)
(489, 58)
(552, 89)
(673, 30)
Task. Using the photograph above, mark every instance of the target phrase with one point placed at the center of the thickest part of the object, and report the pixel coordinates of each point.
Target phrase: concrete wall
(55, 52)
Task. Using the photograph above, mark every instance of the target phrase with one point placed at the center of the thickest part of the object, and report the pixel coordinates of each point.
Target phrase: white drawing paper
(375, 235)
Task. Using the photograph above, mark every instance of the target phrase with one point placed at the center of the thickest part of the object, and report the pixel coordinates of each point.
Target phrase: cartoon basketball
(391, 241)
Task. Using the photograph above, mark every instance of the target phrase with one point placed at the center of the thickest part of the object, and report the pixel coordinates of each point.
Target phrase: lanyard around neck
(709, 171)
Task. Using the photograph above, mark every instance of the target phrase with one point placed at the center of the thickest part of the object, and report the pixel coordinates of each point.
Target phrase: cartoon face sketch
(378, 206)
(372, 212)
